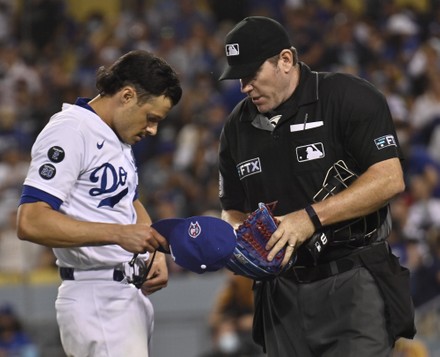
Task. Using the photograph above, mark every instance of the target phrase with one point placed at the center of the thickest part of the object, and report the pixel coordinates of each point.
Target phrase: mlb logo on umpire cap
(233, 49)
(199, 243)
(252, 41)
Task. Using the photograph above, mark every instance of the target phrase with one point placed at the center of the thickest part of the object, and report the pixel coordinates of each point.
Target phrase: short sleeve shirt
(330, 117)
(80, 167)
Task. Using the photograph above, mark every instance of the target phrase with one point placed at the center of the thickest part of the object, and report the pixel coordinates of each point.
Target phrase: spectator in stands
(426, 107)
(14, 341)
(231, 319)
(16, 256)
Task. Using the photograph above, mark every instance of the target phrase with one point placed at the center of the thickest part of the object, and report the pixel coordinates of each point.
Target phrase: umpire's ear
(286, 60)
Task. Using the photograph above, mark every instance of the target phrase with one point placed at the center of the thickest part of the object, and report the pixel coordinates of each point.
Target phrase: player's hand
(293, 230)
(141, 238)
(157, 277)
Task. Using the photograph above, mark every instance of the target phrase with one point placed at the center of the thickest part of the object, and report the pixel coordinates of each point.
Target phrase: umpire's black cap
(251, 42)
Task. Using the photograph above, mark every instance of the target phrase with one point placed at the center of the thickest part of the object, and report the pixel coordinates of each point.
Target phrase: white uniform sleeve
(57, 158)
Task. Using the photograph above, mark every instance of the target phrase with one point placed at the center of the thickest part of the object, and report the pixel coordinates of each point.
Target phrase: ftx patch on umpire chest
(249, 167)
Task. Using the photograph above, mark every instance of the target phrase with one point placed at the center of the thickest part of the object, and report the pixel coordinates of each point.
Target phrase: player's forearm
(369, 192)
(39, 223)
(142, 215)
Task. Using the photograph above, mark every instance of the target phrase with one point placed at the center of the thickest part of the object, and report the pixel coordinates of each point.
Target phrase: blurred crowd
(14, 339)
(51, 49)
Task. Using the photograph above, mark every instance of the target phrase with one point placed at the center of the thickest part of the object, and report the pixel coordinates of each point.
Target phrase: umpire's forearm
(371, 191)
(234, 217)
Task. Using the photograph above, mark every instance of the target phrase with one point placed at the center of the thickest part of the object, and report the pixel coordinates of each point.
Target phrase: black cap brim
(239, 71)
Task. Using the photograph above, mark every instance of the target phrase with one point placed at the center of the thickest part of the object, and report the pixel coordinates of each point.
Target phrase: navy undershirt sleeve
(31, 195)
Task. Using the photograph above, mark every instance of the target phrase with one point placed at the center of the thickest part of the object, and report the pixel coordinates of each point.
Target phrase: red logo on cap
(194, 229)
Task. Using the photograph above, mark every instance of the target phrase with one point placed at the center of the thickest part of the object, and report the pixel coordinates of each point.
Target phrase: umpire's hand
(295, 228)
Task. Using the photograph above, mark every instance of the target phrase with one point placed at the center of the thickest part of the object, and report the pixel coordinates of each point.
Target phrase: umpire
(323, 149)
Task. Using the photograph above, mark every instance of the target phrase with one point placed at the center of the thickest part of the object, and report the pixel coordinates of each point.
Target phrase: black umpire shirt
(329, 117)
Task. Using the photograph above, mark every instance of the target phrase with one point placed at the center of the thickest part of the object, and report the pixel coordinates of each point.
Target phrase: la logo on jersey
(194, 229)
(232, 49)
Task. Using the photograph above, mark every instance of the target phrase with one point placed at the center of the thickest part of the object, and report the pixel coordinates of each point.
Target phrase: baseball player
(323, 147)
(80, 197)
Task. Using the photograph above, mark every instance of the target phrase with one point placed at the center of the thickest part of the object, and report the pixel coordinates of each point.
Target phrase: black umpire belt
(309, 274)
(99, 274)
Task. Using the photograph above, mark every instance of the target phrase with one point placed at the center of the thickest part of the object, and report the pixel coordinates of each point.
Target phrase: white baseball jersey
(80, 165)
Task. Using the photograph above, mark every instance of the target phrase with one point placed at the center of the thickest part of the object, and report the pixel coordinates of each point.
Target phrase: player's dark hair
(148, 74)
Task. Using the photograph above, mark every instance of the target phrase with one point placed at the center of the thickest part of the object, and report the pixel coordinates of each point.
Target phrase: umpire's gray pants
(341, 316)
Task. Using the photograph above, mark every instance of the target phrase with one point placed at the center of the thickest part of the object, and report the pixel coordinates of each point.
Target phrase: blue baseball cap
(199, 243)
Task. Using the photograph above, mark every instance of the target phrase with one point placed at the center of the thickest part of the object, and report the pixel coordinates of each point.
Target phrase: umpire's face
(273, 83)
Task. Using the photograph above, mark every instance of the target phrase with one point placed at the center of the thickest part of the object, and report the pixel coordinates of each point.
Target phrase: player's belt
(303, 274)
(93, 274)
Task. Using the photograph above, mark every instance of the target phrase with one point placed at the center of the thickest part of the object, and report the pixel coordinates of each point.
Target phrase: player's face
(134, 122)
(267, 88)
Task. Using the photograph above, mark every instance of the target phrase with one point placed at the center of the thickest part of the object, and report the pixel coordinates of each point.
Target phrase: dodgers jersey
(81, 168)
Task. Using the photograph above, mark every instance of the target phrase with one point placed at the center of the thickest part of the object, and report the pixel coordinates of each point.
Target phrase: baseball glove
(250, 255)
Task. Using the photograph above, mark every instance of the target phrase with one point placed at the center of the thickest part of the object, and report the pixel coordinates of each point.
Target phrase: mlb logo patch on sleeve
(385, 141)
